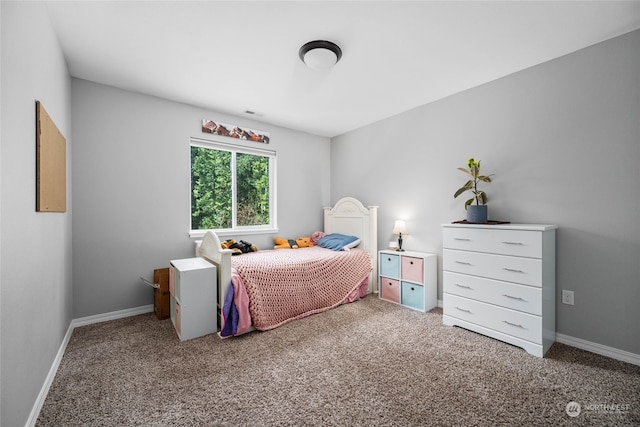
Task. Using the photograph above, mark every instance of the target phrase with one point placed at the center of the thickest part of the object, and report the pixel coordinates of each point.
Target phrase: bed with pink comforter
(270, 288)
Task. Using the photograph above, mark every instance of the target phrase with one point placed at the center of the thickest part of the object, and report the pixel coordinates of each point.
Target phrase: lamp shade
(399, 227)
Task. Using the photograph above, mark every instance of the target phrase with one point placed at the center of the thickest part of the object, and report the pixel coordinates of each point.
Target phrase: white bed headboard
(349, 216)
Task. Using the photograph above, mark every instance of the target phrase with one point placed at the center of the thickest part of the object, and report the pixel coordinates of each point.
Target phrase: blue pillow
(337, 241)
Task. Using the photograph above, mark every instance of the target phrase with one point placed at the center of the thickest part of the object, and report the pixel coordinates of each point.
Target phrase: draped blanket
(288, 284)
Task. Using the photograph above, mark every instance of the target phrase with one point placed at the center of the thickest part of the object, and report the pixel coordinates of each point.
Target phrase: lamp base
(399, 250)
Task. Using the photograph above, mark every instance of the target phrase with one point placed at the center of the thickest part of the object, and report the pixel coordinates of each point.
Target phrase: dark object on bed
(238, 248)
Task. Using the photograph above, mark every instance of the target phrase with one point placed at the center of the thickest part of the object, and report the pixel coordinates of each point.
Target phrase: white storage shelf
(193, 303)
(408, 278)
(499, 280)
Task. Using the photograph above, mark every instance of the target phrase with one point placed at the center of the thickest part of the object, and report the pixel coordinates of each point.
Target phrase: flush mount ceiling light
(320, 54)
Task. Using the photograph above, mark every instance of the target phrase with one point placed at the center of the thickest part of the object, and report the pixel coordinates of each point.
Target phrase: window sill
(199, 234)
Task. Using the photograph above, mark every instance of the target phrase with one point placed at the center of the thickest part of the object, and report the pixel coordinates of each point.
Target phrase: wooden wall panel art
(51, 164)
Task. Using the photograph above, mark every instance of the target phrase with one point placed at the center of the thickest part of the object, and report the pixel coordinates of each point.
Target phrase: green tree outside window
(215, 174)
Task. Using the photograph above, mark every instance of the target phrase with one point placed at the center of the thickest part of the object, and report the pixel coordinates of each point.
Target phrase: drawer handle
(512, 270)
(463, 286)
(461, 239)
(514, 243)
(463, 263)
(411, 262)
(512, 297)
(462, 309)
(389, 259)
(514, 324)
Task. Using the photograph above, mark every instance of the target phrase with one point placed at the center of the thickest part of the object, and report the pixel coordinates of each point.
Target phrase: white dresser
(500, 281)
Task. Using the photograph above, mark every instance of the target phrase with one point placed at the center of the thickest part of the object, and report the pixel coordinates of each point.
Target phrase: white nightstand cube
(408, 278)
(193, 289)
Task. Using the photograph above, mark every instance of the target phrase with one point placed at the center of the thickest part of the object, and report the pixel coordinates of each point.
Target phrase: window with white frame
(232, 188)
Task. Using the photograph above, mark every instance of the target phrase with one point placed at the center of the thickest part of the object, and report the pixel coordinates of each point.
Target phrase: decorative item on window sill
(399, 228)
(234, 131)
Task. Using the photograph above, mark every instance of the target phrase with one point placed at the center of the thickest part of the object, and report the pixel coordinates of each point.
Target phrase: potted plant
(478, 212)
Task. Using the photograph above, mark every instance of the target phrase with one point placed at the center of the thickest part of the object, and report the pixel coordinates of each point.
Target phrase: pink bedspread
(288, 284)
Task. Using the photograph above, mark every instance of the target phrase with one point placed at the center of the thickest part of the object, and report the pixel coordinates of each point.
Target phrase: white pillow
(351, 245)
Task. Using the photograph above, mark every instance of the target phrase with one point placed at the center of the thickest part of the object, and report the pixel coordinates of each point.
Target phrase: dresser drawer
(175, 314)
(412, 269)
(412, 295)
(172, 280)
(514, 323)
(504, 242)
(527, 271)
(390, 265)
(390, 289)
(510, 295)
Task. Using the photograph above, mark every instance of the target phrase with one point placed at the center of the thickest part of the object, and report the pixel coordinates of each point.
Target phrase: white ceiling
(233, 56)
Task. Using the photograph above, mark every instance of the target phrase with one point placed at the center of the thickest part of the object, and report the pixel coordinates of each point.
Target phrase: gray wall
(131, 190)
(35, 281)
(563, 140)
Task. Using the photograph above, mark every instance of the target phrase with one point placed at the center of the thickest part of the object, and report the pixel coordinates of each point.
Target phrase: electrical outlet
(567, 297)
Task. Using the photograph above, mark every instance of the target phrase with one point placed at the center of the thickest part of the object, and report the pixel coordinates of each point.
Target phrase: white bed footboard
(211, 250)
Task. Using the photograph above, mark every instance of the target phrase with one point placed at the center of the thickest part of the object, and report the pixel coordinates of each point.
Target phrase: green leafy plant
(473, 170)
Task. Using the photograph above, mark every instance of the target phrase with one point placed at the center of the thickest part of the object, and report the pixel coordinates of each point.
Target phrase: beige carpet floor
(363, 364)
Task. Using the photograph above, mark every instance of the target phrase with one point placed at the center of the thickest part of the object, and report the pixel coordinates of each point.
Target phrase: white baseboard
(98, 318)
(83, 321)
(603, 350)
(37, 407)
